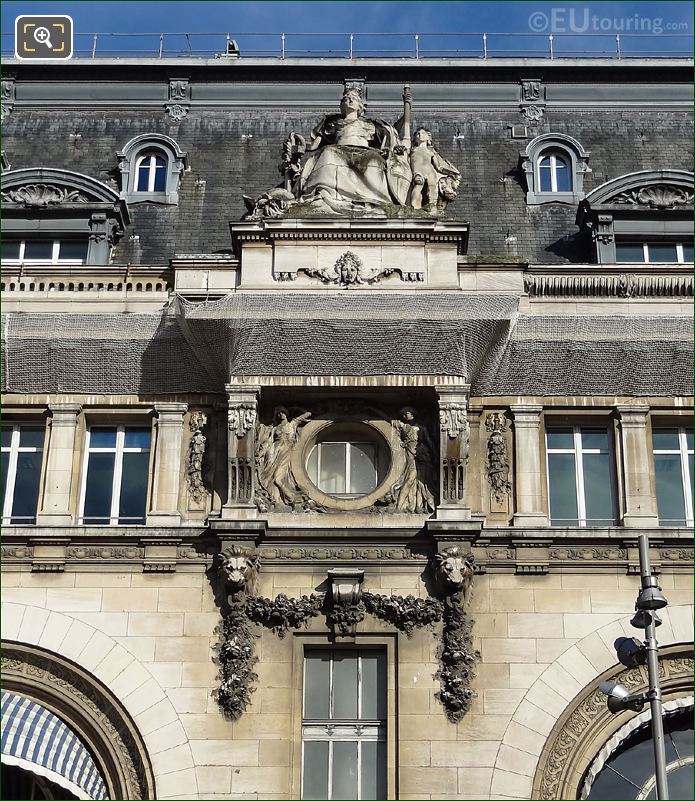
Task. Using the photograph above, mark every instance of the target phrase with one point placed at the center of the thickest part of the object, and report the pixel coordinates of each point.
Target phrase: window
(151, 166)
(344, 468)
(117, 468)
(344, 724)
(151, 172)
(654, 252)
(22, 452)
(554, 173)
(673, 466)
(580, 477)
(45, 251)
(554, 165)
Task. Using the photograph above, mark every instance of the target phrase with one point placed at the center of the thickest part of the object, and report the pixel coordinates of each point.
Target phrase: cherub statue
(435, 180)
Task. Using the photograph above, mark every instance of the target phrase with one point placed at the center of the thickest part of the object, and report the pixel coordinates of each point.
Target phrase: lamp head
(631, 652)
(650, 596)
(619, 698)
(641, 619)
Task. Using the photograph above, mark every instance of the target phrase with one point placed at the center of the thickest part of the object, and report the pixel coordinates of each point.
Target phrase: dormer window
(45, 251)
(151, 168)
(554, 172)
(555, 165)
(151, 172)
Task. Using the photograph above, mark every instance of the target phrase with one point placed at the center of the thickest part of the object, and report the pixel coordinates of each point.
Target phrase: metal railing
(377, 45)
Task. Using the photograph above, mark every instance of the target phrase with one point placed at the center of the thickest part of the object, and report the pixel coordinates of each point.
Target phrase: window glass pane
(137, 438)
(143, 175)
(362, 468)
(608, 786)
(38, 249)
(563, 489)
(73, 250)
(102, 438)
(680, 782)
(6, 437)
(312, 464)
(373, 760)
(689, 440)
(681, 731)
(665, 439)
(544, 174)
(31, 437)
(26, 487)
(562, 175)
(594, 440)
(561, 438)
(332, 478)
(598, 490)
(344, 777)
(662, 251)
(97, 499)
(10, 249)
(373, 685)
(160, 176)
(345, 685)
(133, 498)
(315, 774)
(687, 251)
(629, 251)
(316, 685)
(4, 464)
(669, 489)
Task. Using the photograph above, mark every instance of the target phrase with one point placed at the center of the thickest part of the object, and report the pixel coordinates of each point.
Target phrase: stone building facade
(327, 482)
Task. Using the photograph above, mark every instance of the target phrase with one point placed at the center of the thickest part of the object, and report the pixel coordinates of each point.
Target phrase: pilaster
(530, 509)
(242, 409)
(640, 492)
(56, 508)
(167, 465)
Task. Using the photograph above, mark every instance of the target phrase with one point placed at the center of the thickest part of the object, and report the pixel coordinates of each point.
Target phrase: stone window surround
(128, 159)
(302, 640)
(88, 209)
(577, 157)
(606, 214)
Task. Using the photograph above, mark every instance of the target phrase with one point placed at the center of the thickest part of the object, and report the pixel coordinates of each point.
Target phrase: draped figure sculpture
(411, 492)
(354, 165)
(273, 459)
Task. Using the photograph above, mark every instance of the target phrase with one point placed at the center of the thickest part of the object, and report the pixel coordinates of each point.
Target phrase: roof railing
(351, 46)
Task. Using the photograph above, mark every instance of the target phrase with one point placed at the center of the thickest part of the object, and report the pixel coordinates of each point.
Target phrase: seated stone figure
(347, 164)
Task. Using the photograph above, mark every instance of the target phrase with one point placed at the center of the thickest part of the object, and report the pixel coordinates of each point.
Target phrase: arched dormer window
(554, 165)
(151, 168)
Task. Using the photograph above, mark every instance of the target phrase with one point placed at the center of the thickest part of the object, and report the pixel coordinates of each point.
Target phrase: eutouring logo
(43, 37)
(566, 19)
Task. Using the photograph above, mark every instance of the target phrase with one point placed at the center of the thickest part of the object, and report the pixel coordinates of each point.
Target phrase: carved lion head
(454, 569)
(236, 567)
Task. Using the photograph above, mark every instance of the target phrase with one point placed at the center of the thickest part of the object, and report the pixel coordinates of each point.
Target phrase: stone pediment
(647, 190)
(45, 187)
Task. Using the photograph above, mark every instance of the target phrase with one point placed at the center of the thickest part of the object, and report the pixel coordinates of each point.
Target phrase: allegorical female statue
(411, 492)
(355, 165)
(273, 457)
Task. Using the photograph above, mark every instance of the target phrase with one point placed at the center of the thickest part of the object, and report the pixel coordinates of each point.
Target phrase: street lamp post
(631, 652)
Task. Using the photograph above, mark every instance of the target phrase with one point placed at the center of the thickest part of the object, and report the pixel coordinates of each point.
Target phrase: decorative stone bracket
(345, 605)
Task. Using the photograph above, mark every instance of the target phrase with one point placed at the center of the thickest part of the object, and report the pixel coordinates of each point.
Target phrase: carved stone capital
(64, 414)
(527, 415)
(346, 608)
(453, 419)
(633, 416)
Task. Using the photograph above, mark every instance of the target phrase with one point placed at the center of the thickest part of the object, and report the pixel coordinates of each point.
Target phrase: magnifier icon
(42, 36)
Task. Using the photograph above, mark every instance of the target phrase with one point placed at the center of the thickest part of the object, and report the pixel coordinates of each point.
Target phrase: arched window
(555, 165)
(151, 172)
(554, 172)
(151, 168)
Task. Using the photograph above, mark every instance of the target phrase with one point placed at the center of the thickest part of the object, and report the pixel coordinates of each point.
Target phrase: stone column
(454, 435)
(640, 492)
(167, 465)
(57, 506)
(242, 408)
(530, 509)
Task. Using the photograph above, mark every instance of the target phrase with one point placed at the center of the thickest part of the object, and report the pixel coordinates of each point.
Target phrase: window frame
(54, 260)
(576, 158)
(578, 451)
(151, 155)
(14, 450)
(686, 485)
(680, 259)
(370, 730)
(554, 154)
(116, 481)
(132, 155)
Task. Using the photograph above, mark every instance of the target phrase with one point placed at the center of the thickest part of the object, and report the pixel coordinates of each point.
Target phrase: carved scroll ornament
(196, 456)
(42, 195)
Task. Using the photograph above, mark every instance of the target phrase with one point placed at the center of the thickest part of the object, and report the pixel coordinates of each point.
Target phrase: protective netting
(197, 347)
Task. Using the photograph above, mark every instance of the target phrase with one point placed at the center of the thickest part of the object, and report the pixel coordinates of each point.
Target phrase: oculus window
(22, 454)
(344, 724)
(116, 473)
(673, 467)
(580, 477)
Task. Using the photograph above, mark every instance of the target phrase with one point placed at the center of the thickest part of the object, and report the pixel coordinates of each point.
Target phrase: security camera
(619, 698)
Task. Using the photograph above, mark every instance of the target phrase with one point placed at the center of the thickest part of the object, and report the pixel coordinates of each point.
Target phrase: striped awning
(35, 739)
